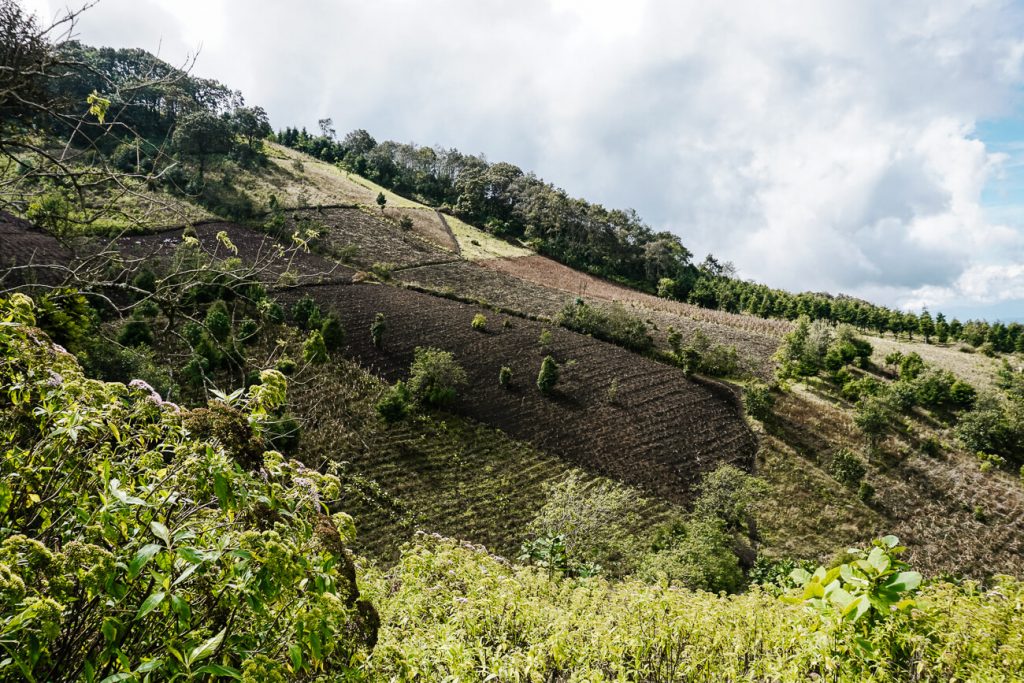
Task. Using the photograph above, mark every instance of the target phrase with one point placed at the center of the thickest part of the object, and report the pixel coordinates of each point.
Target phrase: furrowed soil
(661, 433)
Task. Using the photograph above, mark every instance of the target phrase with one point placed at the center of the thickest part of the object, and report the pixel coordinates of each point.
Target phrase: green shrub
(272, 312)
(286, 366)
(332, 332)
(305, 313)
(248, 331)
(846, 468)
(284, 432)
(135, 333)
(435, 376)
(612, 324)
(729, 495)
(547, 378)
(758, 400)
(866, 493)
(314, 350)
(505, 376)
(218, 321)
(545, 338)
(479, 322)
(145, 279)
(701, 558)
(171, 547)
(395, 404)
(962, 394)
(873, 416)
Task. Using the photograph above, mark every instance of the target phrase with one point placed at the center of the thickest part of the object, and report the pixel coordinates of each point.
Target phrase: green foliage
(135, 333)
(381, 201)
(612, 324)
(479, 322)
(248, 331)
(174, 562)
(593, 523)
(218, 321)
(547, 378)
(758, 400)
(314, 350)
(545, 338)
(395, 404)
(305, 313)
(729, 495)
(454, 612)
(377, 329)
(859, 599)
(505, 376)
(701, 557)
(435, 377)
(873, 415)
(846, 468)
(332, 332)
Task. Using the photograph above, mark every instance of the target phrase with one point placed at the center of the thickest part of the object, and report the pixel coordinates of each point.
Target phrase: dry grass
(477, 245)
(976, 368)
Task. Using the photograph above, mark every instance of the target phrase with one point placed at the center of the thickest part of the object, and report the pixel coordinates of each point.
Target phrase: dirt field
(253, 248)
(364, 239)
(22, 245)
(662, 433)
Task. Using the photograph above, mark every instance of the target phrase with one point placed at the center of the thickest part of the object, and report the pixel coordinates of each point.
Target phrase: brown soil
(662, 433)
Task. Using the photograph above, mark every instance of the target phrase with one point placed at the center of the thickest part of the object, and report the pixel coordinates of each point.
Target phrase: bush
(395, 404)
(305, 314)
(405, 223)
(548, 376)
(612, 324)
(314, 350)
(248, 331)
(218, 321)
(435, 376)
(286, 366)
(846, 468)
(479, 322)
(962, 394)
(700, 558)
(171, 546)
(332, 332)
(135, 333)
(505, 376)
(728, 494)
(758, 400)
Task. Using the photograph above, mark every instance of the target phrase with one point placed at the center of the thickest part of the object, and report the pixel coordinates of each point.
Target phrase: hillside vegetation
(571, 452)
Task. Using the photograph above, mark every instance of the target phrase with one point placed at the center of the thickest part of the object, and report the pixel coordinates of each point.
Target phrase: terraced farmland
(365, 239)
(453, 476)
(661, 433)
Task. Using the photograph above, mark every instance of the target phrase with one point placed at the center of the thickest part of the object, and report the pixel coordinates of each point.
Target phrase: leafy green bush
(333, 332)
(612, 324)
(700, 558)
(435, 376)
(175, 561)
(314, 350)
(873, 415)
(505, 376)
(758, 400)
(846, 468)
(547, 378)
(218, 321)
(454, 612)
(395, 404)
(305, 313)
(729, 494)
(479, 322)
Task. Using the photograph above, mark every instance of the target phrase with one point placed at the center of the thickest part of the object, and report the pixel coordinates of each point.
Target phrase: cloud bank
(819, 145)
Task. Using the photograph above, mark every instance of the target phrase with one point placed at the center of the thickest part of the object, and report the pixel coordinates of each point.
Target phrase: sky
(871, 148)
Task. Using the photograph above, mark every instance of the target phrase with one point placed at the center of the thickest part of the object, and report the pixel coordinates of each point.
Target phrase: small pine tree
(377, 329)
(381, 201)
(135, 333)
(333, 333)
(548, 376)
(218, 321)
(505, 376)
(479, 322)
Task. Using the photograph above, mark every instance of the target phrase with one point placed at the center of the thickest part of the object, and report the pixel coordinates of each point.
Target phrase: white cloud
(819, 145)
